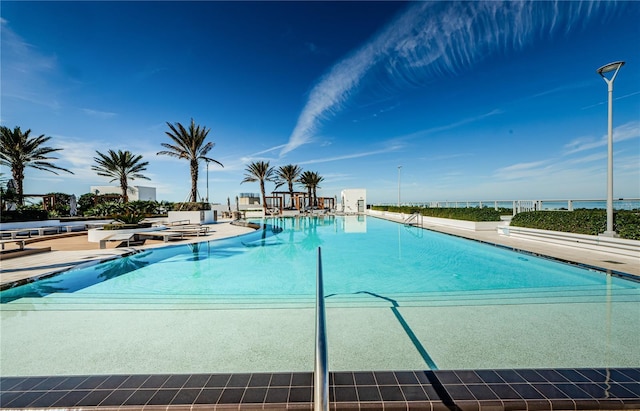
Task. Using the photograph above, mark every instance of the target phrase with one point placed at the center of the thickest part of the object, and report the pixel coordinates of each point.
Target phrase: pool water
(397, 298)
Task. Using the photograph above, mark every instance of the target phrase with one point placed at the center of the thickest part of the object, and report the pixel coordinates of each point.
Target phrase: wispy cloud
(561, 89)
(615, 99)
(571, 171)
(260, 155)
(25, 68)
(99, 114)
(624, 132)
(348, 156)
(433, 39)
(446, 157)
(523, 170)
(462, 122)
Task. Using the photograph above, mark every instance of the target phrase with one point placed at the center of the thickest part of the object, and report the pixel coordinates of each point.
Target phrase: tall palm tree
(316, 179)
(259, 171)
(305, 180)
(18, 151)
(189, 144)
(122, 166)
(289, 174)
(311, 180)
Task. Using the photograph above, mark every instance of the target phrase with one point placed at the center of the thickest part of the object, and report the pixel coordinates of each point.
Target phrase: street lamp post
(399, 167)
(207, 161)
(615, 66)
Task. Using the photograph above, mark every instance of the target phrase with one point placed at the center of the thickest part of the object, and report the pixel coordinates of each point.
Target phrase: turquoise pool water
(393, 293)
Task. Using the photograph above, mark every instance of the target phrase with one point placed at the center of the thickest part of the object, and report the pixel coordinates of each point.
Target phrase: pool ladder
(321, 371)
(414, 219)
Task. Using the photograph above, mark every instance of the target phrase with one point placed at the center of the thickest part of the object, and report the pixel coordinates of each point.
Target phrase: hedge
(23, 215)
(582, 221)
(468, 214)
(191, 206)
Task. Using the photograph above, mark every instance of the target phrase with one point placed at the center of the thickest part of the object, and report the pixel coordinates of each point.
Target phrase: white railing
(531, 205)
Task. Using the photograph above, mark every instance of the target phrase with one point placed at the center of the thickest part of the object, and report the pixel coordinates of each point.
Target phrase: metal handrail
(321, 371)
(415, 216)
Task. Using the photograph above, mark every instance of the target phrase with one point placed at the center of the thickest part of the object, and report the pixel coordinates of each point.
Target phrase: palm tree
(315, 183)
(259, 171)
(122, 166)
(189, 144)
(18, 151)
(311, 180)
(288, 174)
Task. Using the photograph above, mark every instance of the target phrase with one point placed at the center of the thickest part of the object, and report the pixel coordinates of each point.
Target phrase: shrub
(106, 209)
(86, 202)
(581, 221)
(627, 224)
(60, 205)
(191, 206)
(23, 215)
(130, 218)
(468, 214)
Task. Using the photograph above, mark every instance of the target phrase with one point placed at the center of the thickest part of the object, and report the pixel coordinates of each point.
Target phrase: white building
(353, 200)
(136, 193)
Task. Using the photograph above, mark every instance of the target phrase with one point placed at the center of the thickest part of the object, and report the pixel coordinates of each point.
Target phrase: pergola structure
(297, 196)
(301, 200)
(273, 203)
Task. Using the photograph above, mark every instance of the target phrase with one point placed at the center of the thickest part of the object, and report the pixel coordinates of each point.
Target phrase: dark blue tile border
(461, 390)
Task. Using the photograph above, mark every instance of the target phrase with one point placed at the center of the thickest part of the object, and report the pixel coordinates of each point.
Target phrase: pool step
(79, 301)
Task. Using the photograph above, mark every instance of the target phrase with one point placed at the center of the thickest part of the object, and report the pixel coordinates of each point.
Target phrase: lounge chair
(116, 237)
(188, 229)
(165, 234)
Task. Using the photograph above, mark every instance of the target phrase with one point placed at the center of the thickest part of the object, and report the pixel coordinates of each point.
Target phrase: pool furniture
(14, 233)
(70, 228)
(190, 229)
(43, 230)
(19, 241)
(165, 234)
(116, 237)
(95, 225)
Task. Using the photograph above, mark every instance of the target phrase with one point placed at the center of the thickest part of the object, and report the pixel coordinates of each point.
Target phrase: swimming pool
(397, 298)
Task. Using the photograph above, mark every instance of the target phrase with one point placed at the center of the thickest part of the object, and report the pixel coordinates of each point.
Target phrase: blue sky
(475, 100)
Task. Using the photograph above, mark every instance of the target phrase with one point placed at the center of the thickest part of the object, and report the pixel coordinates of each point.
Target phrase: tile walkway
(526, 389)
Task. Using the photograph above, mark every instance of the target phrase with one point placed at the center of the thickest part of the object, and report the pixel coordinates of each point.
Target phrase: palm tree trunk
(125, 188)
(194, 180)
(264, 197)
(291, 193)
(18, 178)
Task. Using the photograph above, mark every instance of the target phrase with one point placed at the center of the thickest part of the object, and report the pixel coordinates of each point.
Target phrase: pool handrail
(321, 371)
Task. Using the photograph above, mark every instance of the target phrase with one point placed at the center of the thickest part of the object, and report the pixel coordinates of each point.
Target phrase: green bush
(86, 202)
(627, 224)
(23, 215)
(122, 226)
(191, 206)
(130, 218)
(115, 208)
(468, 214)
(582, 221)
(60, 205)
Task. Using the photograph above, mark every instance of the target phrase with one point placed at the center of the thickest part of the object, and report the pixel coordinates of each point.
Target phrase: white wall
(349, 199)
(146, 193)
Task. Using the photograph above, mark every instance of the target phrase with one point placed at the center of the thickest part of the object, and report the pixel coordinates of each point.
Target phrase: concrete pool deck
(574, 254)
(71, 250)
